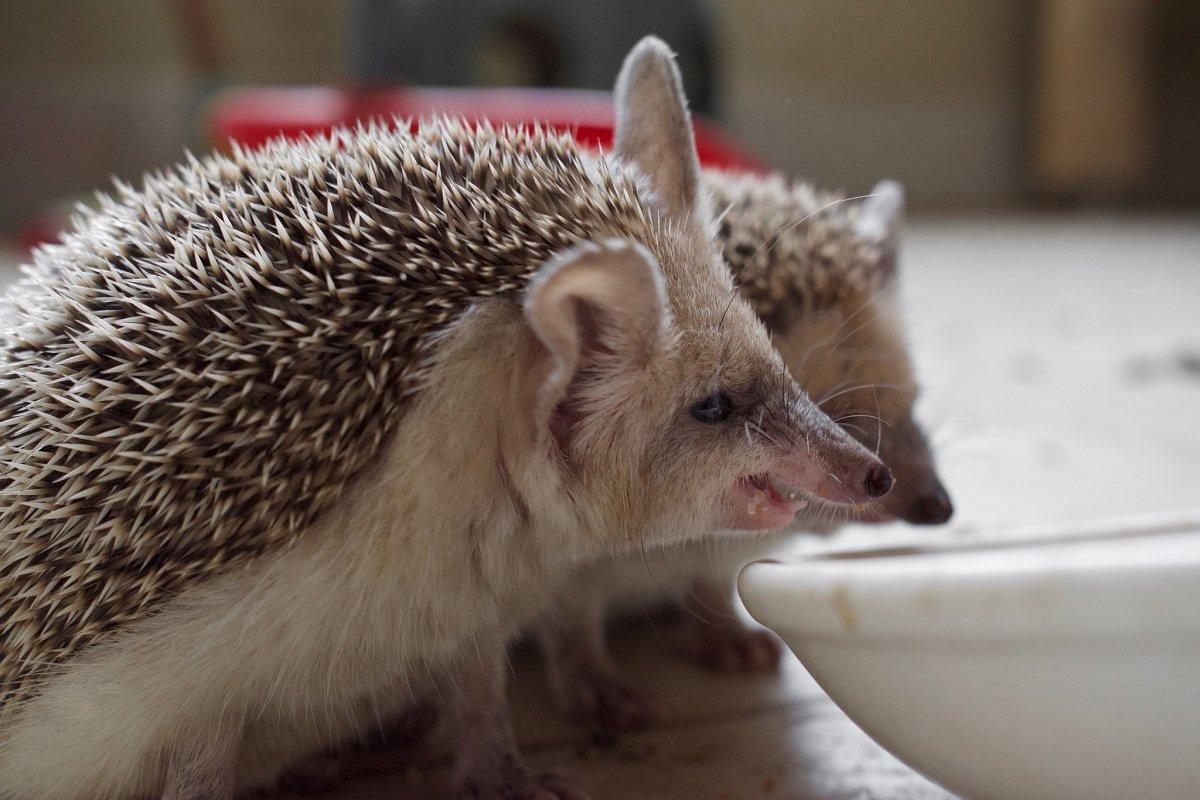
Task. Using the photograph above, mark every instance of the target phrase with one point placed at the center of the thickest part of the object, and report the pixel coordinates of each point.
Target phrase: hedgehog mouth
(767, 501)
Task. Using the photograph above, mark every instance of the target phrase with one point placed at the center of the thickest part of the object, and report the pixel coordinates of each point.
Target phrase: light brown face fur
(669, 410)
(627, 439)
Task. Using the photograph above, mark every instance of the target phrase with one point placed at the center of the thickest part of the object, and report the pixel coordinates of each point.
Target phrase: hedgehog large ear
(879, 220)
(601, 312)
(654, 129)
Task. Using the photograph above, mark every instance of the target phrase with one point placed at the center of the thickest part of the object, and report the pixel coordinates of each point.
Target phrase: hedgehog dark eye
(714, 408)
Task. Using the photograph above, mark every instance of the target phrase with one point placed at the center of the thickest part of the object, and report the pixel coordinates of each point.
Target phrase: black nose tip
(879, 481)
(933, 508)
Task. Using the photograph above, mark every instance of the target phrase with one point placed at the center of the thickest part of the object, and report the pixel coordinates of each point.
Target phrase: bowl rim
(1142, 583)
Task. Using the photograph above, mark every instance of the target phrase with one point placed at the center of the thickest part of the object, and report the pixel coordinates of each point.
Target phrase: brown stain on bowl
(839, 598)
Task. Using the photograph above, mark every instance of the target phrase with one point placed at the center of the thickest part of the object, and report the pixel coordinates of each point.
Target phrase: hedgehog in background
(820, 270)
(287, 429)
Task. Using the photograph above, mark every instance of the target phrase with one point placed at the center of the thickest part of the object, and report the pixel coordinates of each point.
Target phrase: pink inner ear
(562, 420)
(567, 413)
(589, 321)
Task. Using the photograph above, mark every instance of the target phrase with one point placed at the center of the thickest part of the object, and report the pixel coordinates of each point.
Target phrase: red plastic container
(253, 116)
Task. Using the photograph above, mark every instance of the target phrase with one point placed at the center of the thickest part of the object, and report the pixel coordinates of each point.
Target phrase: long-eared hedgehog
(202, 365)
(285, 429)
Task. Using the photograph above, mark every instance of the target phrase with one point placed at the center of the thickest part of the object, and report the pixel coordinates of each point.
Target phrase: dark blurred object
(526, 42)
(199, 38)
(1177, 65)
(1092, 98)
(1115, 101)
(252, 116)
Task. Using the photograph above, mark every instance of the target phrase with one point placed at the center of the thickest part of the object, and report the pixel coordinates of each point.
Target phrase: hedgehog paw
(606, 700)
(737, 649)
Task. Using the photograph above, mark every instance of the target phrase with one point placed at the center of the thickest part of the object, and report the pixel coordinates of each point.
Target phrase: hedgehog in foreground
(293, 428)
(821, 272)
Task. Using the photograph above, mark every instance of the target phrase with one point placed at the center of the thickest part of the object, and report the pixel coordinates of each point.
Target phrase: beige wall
(86, 93)
(852, 91)
(846, 92)
(849, 91)
(95, 89)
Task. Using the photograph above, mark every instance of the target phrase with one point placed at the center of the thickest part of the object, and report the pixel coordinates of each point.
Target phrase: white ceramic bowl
(1012, 671)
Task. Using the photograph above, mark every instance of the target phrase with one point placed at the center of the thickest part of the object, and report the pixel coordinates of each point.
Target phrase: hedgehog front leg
(203, 769)
(487, 765)
(586, 684)
(716, 636)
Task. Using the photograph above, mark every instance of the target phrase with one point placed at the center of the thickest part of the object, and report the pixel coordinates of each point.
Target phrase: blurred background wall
(989, 104)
